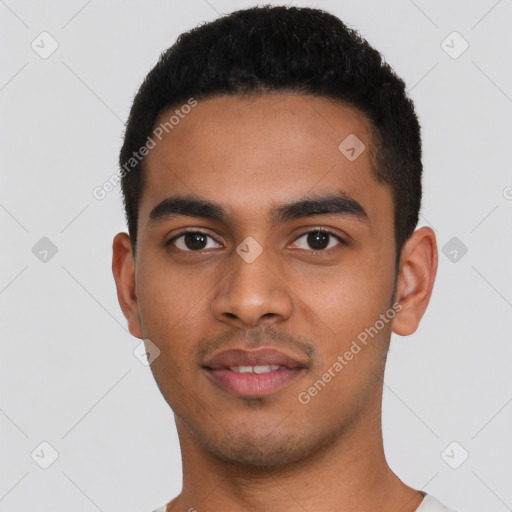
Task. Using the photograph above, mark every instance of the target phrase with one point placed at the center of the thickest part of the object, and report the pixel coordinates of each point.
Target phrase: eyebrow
(340, 204)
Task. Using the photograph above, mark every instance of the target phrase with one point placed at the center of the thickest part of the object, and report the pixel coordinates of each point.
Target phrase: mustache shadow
(267, 336)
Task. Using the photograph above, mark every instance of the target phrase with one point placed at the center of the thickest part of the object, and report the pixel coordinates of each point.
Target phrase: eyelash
(323, 231)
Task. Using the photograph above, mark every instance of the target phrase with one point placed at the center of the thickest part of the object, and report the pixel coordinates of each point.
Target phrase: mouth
(253, 373)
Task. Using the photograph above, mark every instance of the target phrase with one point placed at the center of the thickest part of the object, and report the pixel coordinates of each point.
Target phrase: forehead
(251, 152)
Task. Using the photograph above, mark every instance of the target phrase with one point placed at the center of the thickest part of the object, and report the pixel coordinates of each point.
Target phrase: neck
(349, 473)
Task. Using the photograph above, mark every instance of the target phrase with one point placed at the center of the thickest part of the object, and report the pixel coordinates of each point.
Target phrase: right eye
(191, 241)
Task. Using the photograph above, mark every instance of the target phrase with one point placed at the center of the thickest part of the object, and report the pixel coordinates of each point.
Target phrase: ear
(123, 268)
(417, 273)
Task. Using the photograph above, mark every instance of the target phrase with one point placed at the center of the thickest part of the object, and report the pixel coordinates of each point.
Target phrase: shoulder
(430, 504)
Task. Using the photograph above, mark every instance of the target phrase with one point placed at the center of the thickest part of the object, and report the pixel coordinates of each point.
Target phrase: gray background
(68, 375)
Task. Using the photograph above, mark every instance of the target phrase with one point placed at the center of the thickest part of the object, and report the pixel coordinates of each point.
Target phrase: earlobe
(123, 268)
(418, 267)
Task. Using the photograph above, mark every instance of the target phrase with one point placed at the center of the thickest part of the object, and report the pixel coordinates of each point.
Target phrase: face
(264, 256)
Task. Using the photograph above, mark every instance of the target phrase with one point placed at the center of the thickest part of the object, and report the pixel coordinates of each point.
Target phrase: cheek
(345, 307)
(169, 309)
(167, 296)
(352, 342)
(348, 298)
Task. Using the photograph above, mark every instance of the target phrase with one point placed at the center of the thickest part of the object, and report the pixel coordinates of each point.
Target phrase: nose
(252, 293)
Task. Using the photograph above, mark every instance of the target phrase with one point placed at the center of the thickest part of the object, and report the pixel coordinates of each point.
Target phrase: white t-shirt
(429, 504)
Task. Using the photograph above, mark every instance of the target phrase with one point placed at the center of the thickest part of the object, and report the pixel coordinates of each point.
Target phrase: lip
(261, 356)
(253, 384)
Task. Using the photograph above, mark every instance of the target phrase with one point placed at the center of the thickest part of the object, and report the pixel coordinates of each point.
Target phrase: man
(271, 172)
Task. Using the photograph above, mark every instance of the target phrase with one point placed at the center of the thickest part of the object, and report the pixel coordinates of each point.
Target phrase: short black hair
(269, 49)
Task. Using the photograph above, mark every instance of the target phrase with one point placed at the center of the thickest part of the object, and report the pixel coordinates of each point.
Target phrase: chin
(258, 455)
(264, 450)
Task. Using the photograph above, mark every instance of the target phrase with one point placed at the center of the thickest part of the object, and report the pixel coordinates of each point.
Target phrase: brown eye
(192, 241)
(318, 240)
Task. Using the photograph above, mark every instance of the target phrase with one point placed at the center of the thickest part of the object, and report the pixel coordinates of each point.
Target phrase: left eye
(319, 240)
(192, 241)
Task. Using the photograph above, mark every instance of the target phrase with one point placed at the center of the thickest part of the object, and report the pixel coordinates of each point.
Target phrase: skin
(273, 453)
